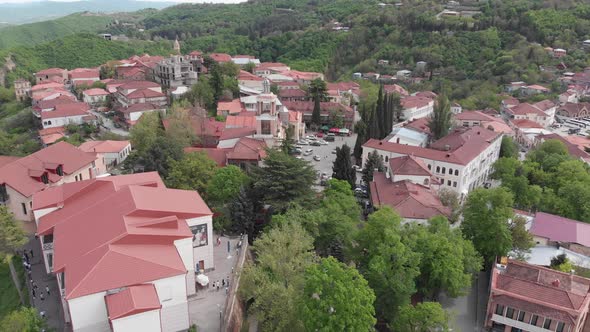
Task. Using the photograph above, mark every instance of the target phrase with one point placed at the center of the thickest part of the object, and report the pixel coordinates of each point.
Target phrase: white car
(322, 142)
(302, 143)
(317, 158)
(310, 137)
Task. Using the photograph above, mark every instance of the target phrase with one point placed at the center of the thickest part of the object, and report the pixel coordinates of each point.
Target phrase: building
(527, 131)
(220, 57)
(175, 71)
(526, 297)
(250, 81)
(65, 114)
(575, 150)
(244, 152)
(526, 111)
(409, 188)
(573, 110)
(140, 92)
(300, 95)
(328, 112)
(95, 97)
(234, 107)
(408, 136)
(533, 90)
(266, 68)
(303, 77)
(111, 152)
(460, 161)
(416, 107)
(54, 165)
(570, 96)
(83, 76)
(56, 75)
(125, 251)
(22, 89)
(242, 60)
(132, 113)
(395, 88)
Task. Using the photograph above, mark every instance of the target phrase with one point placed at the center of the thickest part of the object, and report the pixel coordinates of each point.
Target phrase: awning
(202, 279)
(325, 128)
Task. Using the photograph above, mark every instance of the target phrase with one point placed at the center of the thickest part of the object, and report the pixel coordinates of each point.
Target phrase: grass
(9, 299)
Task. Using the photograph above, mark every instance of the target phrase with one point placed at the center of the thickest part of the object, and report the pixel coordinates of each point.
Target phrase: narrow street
(108, 124)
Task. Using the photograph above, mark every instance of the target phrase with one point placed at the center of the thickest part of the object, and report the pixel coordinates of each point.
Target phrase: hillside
(19, 13)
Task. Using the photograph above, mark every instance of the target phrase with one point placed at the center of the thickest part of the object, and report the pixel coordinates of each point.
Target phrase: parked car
(319, 135)
(315, 143)
(330, 138)
(322, 142)
(317, 158)
(302, 142)
(310, 137)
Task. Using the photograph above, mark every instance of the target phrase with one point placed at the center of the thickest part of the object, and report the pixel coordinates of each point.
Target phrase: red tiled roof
(16, 174)
(95, 92)
(544, 105)
(84, 73)
(145, 93)
(464, 146)
(248, 149)
(230, 133)
(270, 65)
(426, 94)
(560, 229)
(415, 101)
(288, 83)
(394, 88)
(51, 103)
(410, 200)
(240, 121)
(133, 300)
(246, 76)
(537, 87)
(83, 83)
(573, 110)
(203, 126)
(51, 71)
(232, 107)
(473, 116)
(5, 160)
(526, 123)
(302, 75)
(292, 93)
(525, 109)
(216, 154)
(196, 53)
(572, 148)
(408, 165)
(344, 86)
(220, 57)
(104, 146)
(44, 86)
(498, 126)
(66, 110)
(129, 85)
(140, 107)
(420, 125)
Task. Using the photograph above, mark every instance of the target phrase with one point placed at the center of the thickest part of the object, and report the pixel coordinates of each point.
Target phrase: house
(132, 113)
(526, 132)
(242, 60)
(22, 89)
(526, 111)
(131, 73)
(56, 75)
(175, 71)
(394, 88)
(111, 152)
(508, 103)
(300, 95)
(532, 298)
(415, 107)
(225, 108)
(266, 68)
(250, 80)
(303, 77)
(481, 119)
(51, 135)
(207, 130)
(408, 136)
(570, 96)
(408, 187)
(51, 166)
(280, 78)
(83, 76)
(460, 161)
(548, 229)
(140, 92)
(548, 107)
(401, 74)
(534, 90)
(419, 125)
(290, 85)
(328, 112)
(64, 114)
(243, 152)
(95, 96)
(559, 53)
(220, 57)
(155, 238)
(456, 108)
(573, 110)
(50, 104)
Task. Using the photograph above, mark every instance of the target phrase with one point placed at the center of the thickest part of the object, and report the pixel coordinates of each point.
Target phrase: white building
(65, 114)
(407, 136)
(95, 96)
(416, 107)
(115, 239)
(461, 161)
(111, 152)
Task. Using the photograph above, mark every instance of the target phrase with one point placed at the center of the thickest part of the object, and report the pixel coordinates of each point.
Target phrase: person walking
(34, 294)
(41, 296)
(26, 256)
(47, 290)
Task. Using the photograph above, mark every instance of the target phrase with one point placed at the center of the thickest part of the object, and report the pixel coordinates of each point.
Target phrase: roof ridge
(115, 247)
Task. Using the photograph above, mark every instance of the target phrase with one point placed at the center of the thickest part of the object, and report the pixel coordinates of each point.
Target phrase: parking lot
(325, 152)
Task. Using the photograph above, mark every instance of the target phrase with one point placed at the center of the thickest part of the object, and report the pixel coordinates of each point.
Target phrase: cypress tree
(440, 120)
(379, 112)
(342, 169)
(374, 161)
(361, 131)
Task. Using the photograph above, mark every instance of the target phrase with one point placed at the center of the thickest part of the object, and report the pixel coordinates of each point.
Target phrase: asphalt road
(325, 152)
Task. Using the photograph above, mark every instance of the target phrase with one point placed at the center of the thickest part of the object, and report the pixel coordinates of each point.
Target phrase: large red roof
(140, 107)
(66, 110)
(105, 227)
(415, 101)
(130, 85)
(248, 149)
(525, 109)
(560, 229)
(410, 200)
(51, 71)
(95, 92)
(18, 173)
(474, 116)
(408, 165)
(246, 76)
(104, 146)
(51, 103)
(572, 148)
(84, 73)
(145, 93)
(232, 107)
(240, 121)
(132, 300)
(220, 57)
(48, 85)
(394, 88)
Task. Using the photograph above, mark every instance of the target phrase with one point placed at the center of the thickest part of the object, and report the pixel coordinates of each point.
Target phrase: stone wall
(235, 310)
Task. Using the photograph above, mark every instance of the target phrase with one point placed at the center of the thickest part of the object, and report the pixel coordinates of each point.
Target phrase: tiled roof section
(104, 146)
(95, 92)
(132, 300)
(510, 101)
(537, 87)
(420, 125)
(66, 110)
(302, 75)
(292, 93)
(230, 133)
(415, 101)
(306, 107)
(343, 86)
(526, 123)
(246, 76)
(145, 93)
(216, 154)
(51, 71)
(408, 165)
(395, 88)
(140, 107)
(560, 229)
(473, 116)
(464, 146)
(426, 94)
(5, 160)
(498, 126)
(139, 85)
(17, 174)
(84, 73)
(232, 107)
(525, 109)
(271, 65)
(248, 149)
(240, 121)
(49, 85)
(544, 105)
(573, 149)
(51, 103)
(220, 57)
(542, 288)
(573, 110)
(410, 200)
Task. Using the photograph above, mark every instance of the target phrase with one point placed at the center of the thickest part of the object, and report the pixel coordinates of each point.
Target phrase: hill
(19, 13)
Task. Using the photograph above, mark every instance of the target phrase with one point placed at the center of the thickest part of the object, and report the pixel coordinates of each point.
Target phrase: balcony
(520, 325)
(48, 246)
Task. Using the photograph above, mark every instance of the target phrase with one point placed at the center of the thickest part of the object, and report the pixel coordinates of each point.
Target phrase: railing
(48, 246)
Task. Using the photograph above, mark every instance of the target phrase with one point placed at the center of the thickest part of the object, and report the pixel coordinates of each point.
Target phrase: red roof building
(225, 108)
(532, 298)
(220, 57)
(112, 152)
(395, 88)
(573, 149)
(57, 75)
(246, 151)
(327, 111)
(294, 95)
(574, 110)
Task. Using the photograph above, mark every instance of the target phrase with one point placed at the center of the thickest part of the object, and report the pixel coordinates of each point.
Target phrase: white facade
(96, 99)
(148, 321)
(203, 254)
(456, 177)
(63, 121)
(418, 112)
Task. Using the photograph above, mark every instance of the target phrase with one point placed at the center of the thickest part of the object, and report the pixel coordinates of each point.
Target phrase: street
(107, 123)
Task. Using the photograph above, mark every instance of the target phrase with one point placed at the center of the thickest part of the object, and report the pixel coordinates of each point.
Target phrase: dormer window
(45, 178)
(59, 170)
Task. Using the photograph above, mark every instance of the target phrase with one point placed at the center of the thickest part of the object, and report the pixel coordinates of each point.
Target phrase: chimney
(555, 283)
(380, 142)
(447, 147)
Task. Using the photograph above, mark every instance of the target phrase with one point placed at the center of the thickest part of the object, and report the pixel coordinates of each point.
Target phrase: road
(107, 124)
(468, 312)
(325, 152)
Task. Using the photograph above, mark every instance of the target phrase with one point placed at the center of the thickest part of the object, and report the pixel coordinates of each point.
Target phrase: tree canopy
(193, 172)
(342, 168)
(440, 121)
(424, 317)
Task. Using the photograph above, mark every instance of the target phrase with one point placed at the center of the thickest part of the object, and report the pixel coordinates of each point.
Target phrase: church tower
(176, 46)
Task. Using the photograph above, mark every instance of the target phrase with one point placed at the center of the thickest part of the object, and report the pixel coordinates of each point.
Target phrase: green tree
(440, 121)
(522, 240)
(485, 222)
(249, 67)
(509, 148)
(447, 261)
(225, 184)
(283, 180)
(275, 282)
(216, 81)
(12, 237)
(288, 144)
(361, 130)
(242, 214)
(317, 90)
(424, 317)
(561, 263)
(192, 172)
(374, 162)
(23, 320)
(450, 199)
(387, 263)
(202, 94)
(146, 131)
(336, 298)
(342, 168)
(179, 127)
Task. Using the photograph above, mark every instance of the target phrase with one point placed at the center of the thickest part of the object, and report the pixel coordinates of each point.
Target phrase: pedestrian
(41, 296)
(226, 290)
(35, 285)
(29, 273)
(218, 285)
(42, 313)
(232, 270)
(223, 282)
(227, 281)
(26, 256)
(47, 290)
(34, 293)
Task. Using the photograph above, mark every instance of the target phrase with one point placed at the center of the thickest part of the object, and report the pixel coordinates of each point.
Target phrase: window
(60, 170)
(560, 327)
(444, 169)
(45, 178)
(3, 193)
(429, 167)
(499, 309)
(509, 313)
(455, 184)
(547, 323)
(534, 319)
(457, 172)
(426, 181)
(449, 183)
(24, 206)
(438, 169)
(76, 177)
(80, 176)
(386, 158)
(265, 127)
(50, 261)
(450, 171)
(48, 238)
(515, 329)
(520, 316)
